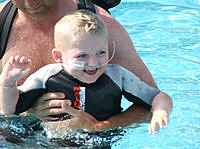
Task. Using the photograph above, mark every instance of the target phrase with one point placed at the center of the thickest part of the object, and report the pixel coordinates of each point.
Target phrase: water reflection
(28, 132)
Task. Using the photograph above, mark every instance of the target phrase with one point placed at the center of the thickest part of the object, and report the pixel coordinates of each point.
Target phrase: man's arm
(134, 114)
(125, 55)
(83, 120)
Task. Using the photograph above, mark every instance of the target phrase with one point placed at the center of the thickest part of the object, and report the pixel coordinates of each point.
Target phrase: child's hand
(15, 69)
(159, 119)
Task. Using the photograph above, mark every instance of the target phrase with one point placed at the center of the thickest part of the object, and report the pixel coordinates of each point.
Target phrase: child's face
(92, 52)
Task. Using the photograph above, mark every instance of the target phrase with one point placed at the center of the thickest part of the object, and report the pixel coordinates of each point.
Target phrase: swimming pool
(166, 34)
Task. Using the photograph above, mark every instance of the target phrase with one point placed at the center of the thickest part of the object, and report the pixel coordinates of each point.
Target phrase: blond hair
(76, 24)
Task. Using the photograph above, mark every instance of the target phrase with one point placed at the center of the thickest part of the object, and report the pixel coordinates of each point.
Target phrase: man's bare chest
(33, 44)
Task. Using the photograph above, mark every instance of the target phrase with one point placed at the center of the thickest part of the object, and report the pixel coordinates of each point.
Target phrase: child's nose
(92, 61)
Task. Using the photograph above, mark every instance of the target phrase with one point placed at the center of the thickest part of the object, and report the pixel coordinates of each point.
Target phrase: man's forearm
(134, 114)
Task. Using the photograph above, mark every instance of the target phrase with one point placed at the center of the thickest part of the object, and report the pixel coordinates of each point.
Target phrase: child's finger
(160, 122)
(22, 60)
(29, 61)
(150, 128)
(154, 127)
(166, 120)
(17, 58)
(11, 60)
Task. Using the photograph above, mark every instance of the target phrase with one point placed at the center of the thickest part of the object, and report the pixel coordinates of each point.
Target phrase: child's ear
(57, 55)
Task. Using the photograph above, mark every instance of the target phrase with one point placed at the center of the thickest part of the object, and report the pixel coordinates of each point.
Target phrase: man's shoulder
(114, 27)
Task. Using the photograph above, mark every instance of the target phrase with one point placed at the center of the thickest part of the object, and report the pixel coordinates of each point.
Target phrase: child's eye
(101, 53)
(82, 56)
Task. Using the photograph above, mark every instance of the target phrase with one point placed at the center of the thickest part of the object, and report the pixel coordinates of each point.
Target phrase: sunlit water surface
(166, 35)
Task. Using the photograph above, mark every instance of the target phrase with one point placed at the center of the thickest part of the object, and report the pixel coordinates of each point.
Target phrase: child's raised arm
(15, 69)
(161, 107)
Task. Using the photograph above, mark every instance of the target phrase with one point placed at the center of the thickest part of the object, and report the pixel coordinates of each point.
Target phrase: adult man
(31, 35)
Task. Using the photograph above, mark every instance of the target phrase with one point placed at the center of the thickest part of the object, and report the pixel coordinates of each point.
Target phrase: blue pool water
(166, 34)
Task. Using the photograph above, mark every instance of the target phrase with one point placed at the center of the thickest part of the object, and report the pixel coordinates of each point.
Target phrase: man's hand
(79, 118)
(47, 105)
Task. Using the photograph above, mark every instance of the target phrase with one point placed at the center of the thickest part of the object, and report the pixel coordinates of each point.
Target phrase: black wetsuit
(102, 99)
(8, 14)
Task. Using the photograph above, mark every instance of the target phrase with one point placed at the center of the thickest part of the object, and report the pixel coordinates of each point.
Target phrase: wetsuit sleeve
(136, 90)
(28, 99)
(30, 91)
(131, 86)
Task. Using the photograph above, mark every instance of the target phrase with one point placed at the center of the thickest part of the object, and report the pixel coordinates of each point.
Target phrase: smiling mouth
(91, 72)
